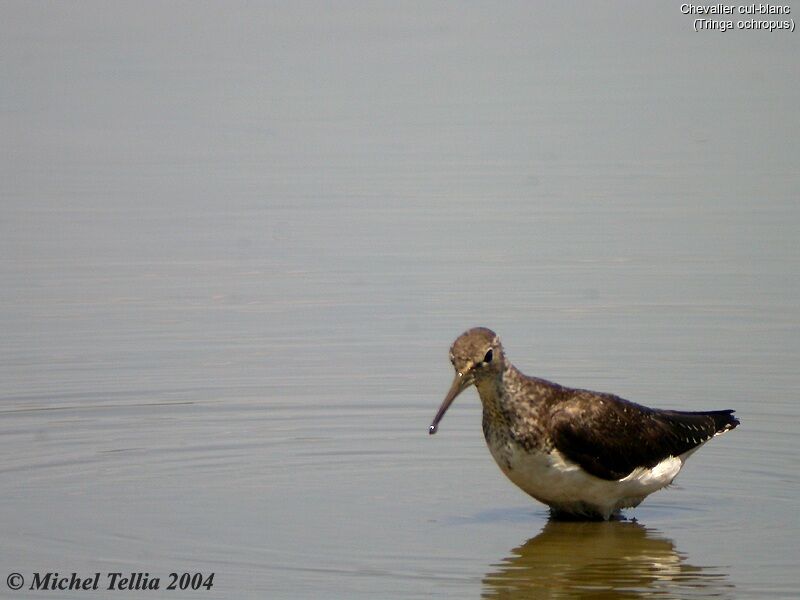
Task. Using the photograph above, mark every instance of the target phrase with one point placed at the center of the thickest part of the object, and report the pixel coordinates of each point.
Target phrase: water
(236, 242)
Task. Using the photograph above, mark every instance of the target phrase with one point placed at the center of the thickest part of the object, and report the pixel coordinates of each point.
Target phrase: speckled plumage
(583, 453)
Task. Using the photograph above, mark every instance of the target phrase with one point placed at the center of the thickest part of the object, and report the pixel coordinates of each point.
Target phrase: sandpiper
(585, 454)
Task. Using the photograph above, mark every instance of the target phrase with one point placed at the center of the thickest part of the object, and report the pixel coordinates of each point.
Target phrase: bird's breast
(543, 474)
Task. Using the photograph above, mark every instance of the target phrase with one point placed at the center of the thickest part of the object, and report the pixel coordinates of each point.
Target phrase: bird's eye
(488, 357)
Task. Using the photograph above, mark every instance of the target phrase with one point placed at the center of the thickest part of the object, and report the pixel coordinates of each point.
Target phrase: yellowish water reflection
(601, 560)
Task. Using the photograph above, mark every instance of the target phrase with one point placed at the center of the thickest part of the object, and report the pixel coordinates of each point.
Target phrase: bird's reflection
(617, 559)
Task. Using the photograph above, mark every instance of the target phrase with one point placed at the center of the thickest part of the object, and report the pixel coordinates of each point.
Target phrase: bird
(587, 455)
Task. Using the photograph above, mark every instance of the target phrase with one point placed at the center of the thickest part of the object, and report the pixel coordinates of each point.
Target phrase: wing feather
(609, 437)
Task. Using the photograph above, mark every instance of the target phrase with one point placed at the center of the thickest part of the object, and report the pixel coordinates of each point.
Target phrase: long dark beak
(460, 383)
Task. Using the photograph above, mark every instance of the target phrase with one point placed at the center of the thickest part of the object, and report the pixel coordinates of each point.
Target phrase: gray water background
(237, 239)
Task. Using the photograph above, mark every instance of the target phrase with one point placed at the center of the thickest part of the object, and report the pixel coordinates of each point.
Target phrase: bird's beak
(460, 383)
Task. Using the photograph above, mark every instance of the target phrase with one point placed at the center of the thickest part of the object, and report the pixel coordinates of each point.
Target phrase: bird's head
(476, 355)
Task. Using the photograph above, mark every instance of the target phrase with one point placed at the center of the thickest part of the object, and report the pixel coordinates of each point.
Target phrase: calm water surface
(236, 243)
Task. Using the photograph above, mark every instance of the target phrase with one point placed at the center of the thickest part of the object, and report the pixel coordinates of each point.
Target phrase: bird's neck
(511, 408)
(493, 391)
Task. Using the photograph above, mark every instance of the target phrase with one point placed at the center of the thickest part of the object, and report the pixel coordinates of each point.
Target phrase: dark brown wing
(609, 437)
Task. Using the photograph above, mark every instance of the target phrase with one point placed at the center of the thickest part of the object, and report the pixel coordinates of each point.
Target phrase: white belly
(563, 485)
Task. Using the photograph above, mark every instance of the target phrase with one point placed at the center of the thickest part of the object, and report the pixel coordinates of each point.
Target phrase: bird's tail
(723, 420)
